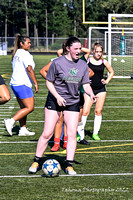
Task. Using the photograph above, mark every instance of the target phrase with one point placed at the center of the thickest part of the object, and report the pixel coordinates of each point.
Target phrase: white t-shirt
(21, 61)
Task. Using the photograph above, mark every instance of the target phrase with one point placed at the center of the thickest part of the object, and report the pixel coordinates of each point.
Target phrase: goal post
(124, 67)
(85, 21)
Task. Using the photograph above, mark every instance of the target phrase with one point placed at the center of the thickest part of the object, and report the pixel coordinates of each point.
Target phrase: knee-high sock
(81, 127)
(97, 123)
(84, 119)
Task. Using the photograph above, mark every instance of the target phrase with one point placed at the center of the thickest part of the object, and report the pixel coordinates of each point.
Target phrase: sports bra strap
(88, 60)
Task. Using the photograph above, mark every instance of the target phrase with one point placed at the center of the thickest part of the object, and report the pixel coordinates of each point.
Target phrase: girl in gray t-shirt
(64, 78)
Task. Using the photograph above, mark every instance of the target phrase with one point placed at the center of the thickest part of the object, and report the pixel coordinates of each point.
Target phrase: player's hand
(36, 88)
(104, 82)
(61, 101)
(93, 98)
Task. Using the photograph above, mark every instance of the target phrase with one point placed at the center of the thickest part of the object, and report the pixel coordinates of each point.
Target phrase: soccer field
(104, 169)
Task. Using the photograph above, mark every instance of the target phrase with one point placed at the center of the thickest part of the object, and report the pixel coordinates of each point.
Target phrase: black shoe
(84, 142)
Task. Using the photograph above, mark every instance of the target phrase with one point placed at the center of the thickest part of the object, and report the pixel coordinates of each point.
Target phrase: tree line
(55, 18)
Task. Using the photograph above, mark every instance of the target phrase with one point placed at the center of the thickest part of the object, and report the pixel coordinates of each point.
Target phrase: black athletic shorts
(1, 80)
(81, 100)
(51, 104)
(103, 89)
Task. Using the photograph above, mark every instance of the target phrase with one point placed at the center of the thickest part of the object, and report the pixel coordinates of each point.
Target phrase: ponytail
(17, 45)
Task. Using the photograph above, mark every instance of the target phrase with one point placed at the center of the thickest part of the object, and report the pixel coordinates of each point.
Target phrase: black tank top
(98, 75)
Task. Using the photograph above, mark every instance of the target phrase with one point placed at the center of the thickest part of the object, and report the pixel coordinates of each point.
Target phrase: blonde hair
(97, 44)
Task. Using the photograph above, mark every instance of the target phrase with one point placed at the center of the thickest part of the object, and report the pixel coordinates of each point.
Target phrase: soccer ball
(51, 168)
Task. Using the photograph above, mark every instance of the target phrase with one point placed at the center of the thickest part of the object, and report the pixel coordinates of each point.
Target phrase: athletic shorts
(1, 80)
(103, 89)
(81, 100)
(52, 104)
(22, 91)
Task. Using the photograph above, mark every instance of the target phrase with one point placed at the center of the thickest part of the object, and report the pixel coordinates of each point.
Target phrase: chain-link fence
(39, 44)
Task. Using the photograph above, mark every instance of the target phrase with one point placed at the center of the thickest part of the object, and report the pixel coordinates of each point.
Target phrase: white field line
(4, 115)
(87, 121)
(111, 84)
(40, 176)
(40, 107)
(32, 142)
(106, 97)
(119, 90)
(5, 112)
(90, 121)
(119, 97)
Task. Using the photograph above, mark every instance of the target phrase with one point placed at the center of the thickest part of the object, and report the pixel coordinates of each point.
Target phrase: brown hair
(64, 47)
(71, 40)
(19, 38)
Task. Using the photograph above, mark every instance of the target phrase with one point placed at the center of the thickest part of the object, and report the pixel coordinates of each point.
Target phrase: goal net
(117, 41)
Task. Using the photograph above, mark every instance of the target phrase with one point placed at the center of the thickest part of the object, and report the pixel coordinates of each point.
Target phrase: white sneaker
(70, 171)
(25, 132)
(8, 126)
(34, 167)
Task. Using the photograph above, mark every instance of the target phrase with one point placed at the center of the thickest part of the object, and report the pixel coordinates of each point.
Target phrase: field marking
(90, 121)
(101, 147)
(4, 115)
(108, 90)
(77, 150)
(111, 84)
(32, 142)
(42, 107)
(64, 152)
(119, 97)
(102, 152)
(106, 97)
(62, 175)
(118, 107)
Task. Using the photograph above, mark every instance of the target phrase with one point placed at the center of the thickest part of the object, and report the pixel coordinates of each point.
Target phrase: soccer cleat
(95, 137)
(56, 147)
(70, 171)
(84, 142)
(25, 132)
(34, 167)
(65, 145)
(8, 126)
(78, 137)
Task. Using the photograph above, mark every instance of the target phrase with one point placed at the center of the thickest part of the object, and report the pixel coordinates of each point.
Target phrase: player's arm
(86, 52)
(91, 73)
(110, 70)
(45, 69)
(59, 52)
(4, 94)
(31, 73)
(88, 91)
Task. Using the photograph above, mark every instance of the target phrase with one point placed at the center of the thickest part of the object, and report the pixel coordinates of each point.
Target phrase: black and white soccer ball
(51, 168)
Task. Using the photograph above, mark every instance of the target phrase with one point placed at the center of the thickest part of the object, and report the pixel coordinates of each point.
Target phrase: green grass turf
(102, 158)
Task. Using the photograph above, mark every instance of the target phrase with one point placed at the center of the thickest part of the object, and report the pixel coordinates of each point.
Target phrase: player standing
(98, 85)
(64, 78)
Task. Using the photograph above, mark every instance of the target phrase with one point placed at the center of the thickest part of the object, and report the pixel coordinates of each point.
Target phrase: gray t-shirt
(67, 77)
